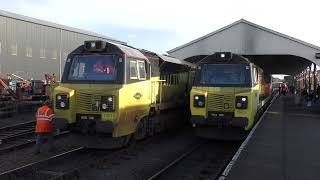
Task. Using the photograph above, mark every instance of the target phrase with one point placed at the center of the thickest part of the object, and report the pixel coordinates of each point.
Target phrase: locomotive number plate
(88, 116)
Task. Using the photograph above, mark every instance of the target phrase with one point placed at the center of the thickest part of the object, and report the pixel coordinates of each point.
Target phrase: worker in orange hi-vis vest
(44, 128)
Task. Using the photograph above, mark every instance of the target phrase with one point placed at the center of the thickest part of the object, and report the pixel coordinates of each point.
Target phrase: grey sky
(164, 24)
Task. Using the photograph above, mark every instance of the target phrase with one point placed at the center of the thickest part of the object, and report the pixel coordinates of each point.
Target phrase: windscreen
(93, 68)
(225, 75)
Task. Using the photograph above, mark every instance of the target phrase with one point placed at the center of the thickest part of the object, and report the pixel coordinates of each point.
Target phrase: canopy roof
(274, 52)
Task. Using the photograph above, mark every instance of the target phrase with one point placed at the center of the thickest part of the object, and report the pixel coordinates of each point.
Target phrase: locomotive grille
(86, 102)
(220, 102)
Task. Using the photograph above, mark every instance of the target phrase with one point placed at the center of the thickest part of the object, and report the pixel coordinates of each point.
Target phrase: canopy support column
(314, 77)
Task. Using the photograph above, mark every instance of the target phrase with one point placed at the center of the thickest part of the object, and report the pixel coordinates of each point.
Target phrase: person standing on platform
(44, 127)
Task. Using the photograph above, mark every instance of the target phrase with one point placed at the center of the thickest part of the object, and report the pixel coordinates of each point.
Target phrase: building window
(14, 49)
(142, 70)
(54, 54)
(28, 51)
(42, 53)
(133, 69)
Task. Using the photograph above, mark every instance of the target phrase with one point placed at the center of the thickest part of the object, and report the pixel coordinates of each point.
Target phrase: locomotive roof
(221, 58)
(166, 58)
(130, 51)
(174, 60)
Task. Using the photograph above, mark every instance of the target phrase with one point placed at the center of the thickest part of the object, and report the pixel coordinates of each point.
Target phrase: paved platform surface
(285, 145)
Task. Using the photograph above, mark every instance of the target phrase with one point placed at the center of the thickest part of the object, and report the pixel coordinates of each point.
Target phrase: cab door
(135, 96)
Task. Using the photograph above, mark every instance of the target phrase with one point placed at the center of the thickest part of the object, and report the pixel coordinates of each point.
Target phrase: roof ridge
(55, 25)
(250, 24)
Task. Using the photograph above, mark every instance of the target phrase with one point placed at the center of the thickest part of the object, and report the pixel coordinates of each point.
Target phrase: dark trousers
(40, 140)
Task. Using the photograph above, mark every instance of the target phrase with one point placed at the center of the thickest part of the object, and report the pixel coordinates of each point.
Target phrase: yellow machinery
(114, 89)
(227, 96)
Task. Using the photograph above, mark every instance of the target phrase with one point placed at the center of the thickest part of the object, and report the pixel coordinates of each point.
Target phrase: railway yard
(242, 102)
(172, 154)
(181, 154)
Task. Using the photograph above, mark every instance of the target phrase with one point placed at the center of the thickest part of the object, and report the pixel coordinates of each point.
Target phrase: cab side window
(255, 75)
(133, 69)
(142, 70)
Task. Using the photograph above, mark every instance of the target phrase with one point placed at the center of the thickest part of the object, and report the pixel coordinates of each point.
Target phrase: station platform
(284, 146)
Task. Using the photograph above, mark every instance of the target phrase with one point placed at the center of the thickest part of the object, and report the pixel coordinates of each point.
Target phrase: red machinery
(24, 89)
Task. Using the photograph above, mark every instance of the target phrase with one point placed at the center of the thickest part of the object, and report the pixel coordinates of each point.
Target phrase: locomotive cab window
(255, 75)
(142, 70)
(93, 68)
(224, 75)
(133, 69)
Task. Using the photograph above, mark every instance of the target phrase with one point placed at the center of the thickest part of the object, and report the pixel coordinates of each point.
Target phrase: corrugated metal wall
(31, 50)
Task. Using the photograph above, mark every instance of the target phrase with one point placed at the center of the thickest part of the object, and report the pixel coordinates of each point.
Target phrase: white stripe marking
(243, 145)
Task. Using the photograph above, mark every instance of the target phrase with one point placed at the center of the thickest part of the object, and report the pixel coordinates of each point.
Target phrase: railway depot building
(31, 48)
(274, 52)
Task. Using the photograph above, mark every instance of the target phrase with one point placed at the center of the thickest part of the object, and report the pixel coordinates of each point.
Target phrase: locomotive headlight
(62, 104)
(199, 101)
(108, 103)
(241, 102)
(93, 44)
(104, 106)
(62, 101)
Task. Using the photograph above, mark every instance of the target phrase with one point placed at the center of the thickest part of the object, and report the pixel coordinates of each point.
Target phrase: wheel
(125, 140)
(141, 131)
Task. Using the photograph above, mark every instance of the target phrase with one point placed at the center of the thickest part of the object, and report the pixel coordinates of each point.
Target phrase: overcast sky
(160, 25)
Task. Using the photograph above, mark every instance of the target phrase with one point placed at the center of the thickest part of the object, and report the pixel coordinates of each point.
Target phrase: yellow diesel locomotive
(227, 96)
(117, 91)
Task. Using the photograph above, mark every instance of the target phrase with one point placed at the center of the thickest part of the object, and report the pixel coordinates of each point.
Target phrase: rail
(21, 141)
(7, 108)
(30, 167)
(174, 162)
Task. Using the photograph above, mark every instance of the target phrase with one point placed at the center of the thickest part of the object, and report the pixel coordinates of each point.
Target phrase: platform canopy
(274, 52)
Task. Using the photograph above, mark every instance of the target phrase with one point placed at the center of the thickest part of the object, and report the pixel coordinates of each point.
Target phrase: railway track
(148, 160)
(204, 161)
(80, 163)
(207, 160)
(11, 136)
(18, 136)
(16, 130)
(35, 170)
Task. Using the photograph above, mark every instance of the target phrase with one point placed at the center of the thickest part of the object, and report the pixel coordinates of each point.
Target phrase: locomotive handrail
(153, 96)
